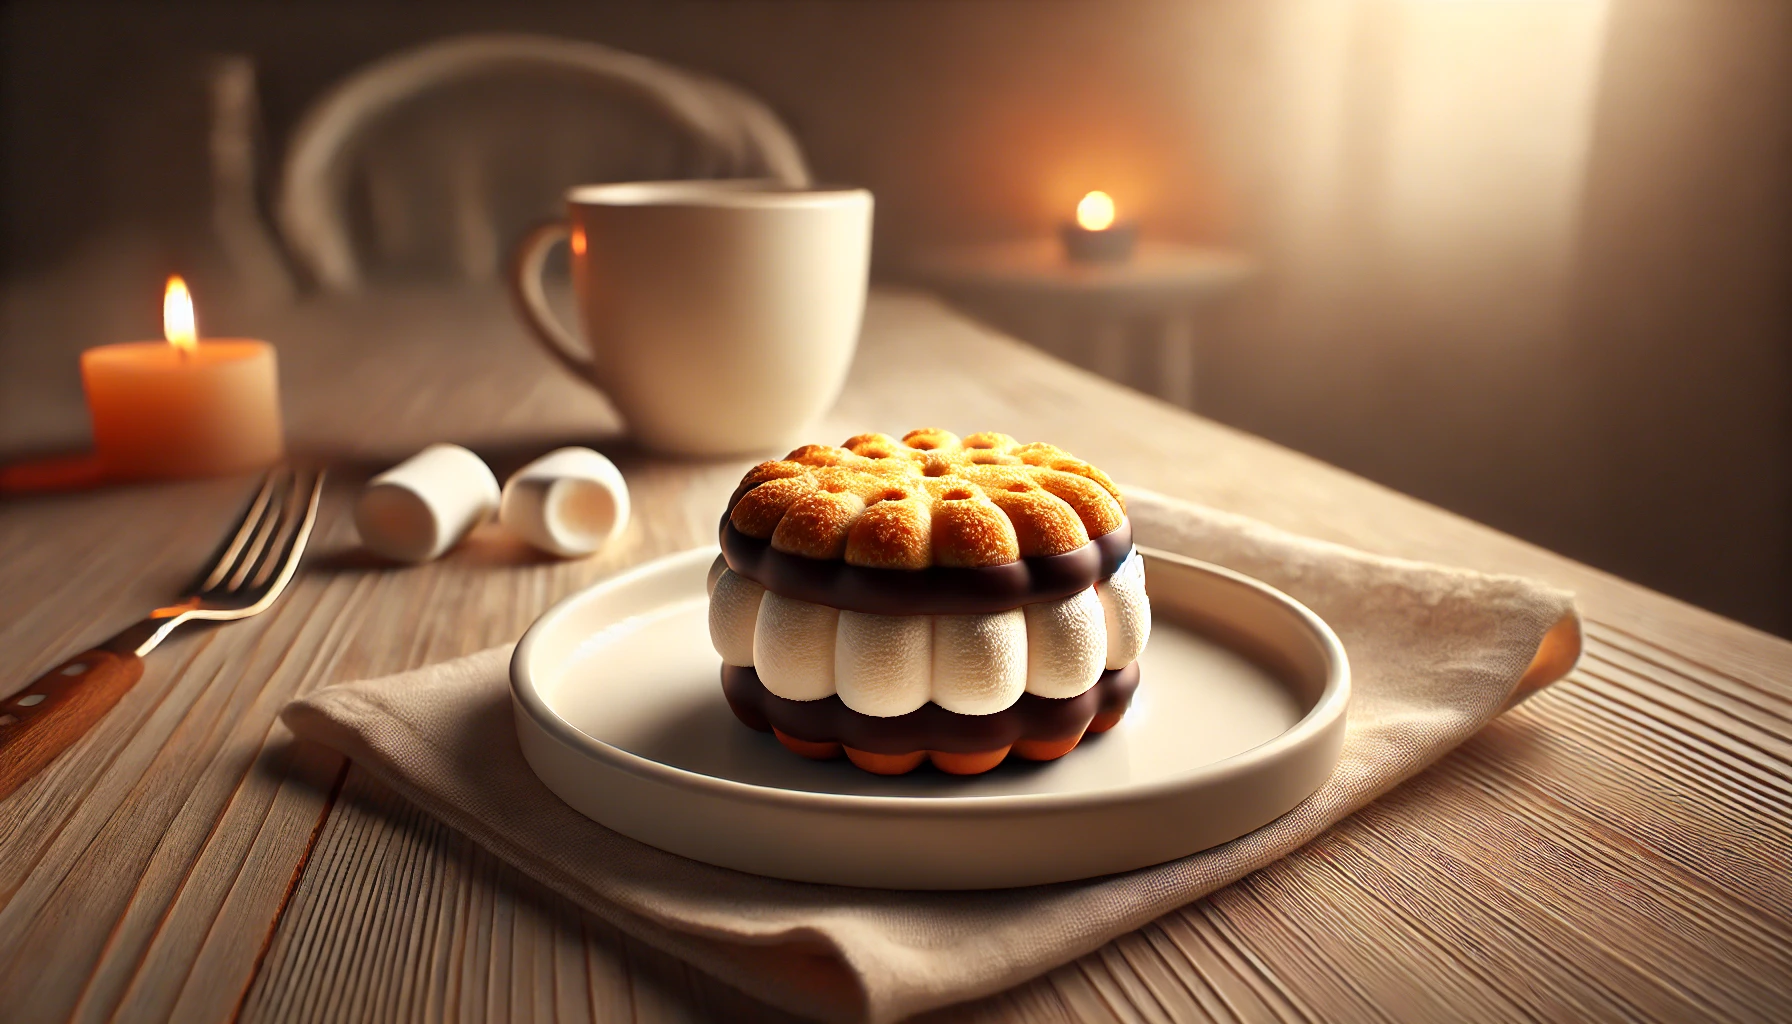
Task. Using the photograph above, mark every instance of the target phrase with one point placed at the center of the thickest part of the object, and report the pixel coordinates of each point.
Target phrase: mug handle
(532, 302)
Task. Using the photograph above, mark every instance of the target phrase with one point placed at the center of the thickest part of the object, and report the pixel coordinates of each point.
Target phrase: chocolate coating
(936, 590)
(929, 727)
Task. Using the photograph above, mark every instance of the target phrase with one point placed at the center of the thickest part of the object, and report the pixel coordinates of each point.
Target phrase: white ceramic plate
(1239, 716)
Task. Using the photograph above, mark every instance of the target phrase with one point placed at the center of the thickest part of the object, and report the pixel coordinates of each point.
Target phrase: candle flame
(1095, 212)
(177, 317)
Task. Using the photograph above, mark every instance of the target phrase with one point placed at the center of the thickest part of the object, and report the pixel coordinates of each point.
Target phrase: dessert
(928, 599)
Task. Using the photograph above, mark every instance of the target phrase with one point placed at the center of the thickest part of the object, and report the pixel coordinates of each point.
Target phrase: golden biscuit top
(928, 499)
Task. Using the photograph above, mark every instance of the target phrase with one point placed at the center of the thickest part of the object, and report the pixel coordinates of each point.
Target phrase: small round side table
(1137, 322)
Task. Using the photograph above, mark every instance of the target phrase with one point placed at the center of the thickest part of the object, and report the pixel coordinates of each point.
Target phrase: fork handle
(47, 717)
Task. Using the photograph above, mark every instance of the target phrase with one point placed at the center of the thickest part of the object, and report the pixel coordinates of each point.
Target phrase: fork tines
(260, 554)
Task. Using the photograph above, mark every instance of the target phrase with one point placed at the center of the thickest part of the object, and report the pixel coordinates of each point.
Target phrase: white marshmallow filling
(888, 665)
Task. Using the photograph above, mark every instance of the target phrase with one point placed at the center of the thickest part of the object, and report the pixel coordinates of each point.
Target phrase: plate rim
(1332, 704)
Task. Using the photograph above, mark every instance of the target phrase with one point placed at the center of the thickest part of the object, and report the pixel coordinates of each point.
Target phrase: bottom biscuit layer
(1035, 728)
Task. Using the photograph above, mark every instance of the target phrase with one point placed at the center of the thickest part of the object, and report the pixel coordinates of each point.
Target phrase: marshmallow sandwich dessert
(929, 599)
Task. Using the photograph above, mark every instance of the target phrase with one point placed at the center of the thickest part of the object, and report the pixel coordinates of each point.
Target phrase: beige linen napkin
(1435, 653)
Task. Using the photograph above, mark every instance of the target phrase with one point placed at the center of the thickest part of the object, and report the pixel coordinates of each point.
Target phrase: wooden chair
(432, 161)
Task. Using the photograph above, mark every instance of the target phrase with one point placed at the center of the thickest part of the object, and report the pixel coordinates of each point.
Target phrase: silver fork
(248, 572)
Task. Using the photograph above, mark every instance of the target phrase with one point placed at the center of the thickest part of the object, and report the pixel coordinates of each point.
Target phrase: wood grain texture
(1620, 846)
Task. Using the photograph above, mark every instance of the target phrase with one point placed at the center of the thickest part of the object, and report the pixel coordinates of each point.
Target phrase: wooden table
(1616, 848)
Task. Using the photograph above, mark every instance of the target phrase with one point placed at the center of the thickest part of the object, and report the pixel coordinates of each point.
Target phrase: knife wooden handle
(47, 717)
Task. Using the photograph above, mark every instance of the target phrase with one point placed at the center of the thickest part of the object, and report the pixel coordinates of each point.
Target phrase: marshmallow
(883, 664)
(423, 506)
(733, 614)
(979, 661)
(1067, 644)
(569, 502)
(888, 665)
(793, 647)
(1127, 610)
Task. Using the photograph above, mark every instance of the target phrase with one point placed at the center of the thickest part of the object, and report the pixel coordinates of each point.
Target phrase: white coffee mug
(720, 316)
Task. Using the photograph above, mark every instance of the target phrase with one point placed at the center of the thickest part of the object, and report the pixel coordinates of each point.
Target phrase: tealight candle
(1095, 237)
(183, 407)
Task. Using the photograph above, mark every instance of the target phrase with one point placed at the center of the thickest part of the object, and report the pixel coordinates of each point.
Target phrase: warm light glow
(177, 317)
(578, 241)
(1095, 212)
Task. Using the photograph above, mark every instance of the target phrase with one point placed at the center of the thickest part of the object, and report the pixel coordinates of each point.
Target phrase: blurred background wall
(1528, 259)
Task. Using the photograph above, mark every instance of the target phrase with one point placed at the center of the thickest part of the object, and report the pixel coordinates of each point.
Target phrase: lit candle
(183, 407)
(1095, 237)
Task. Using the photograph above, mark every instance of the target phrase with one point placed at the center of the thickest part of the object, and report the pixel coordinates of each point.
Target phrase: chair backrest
(435, 158)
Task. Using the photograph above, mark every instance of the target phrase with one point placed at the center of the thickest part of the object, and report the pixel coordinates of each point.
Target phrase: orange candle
(182, 407)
